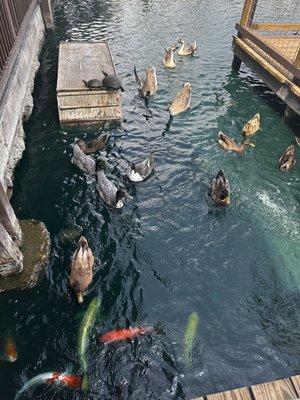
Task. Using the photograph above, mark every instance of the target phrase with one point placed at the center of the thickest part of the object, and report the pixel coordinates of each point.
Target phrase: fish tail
(85, 382)
(37, 380)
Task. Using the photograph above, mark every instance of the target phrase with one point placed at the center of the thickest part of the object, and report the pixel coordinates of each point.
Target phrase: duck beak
(227, 200)
(79, 297)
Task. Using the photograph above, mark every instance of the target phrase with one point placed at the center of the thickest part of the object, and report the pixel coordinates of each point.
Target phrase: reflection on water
(169, 252)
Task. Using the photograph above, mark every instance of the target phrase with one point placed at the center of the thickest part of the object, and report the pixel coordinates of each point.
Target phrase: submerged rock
(36, 252)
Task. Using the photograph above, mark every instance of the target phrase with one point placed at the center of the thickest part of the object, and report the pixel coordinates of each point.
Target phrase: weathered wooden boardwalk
(272, 51)
(77, 105)
(281, 389)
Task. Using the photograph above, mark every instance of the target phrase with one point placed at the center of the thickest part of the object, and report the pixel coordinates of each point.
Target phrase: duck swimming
(86, 163)
(81, 268)
(186, 49)
(138, 172)
(182, 100)
(108, 192)
(168, 59)
(228, 144)
(148, 86)
(252, 126)
(220, 190)
(93, 145)
(287, 161)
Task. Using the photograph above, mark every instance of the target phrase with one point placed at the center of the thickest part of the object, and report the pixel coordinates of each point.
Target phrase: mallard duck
(186, 49)
(138, 172)
(252, 126)
(287, 161)
(182, 100)
(84, 162)
(220, 190)
(108, 192)
(81, 268)
(229, 144)
(93, 145)
(148, 86)
(168, 59)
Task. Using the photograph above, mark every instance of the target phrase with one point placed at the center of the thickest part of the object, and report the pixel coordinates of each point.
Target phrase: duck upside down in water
(148, 86)
(107, 190)
(220, 190)
(228, 144)
(138, 172)
(182, 100)
(81, 268)
(186, 49)
(168, 59)
(93, 145)
(287, 161)
(252, 126)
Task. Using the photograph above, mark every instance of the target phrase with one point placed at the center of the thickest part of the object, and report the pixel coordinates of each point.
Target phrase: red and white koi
(124, 334)
(10, 350)
(72, 381)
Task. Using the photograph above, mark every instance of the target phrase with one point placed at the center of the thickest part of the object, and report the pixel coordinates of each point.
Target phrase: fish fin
(85, 382)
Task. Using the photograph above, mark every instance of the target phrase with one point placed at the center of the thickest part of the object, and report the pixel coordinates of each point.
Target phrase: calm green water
(169, 252)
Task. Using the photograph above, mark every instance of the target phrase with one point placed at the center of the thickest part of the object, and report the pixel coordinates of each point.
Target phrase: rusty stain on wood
(276, 390)
(77, 104)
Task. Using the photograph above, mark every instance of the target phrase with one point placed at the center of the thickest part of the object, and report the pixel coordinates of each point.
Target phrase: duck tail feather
(137, 78)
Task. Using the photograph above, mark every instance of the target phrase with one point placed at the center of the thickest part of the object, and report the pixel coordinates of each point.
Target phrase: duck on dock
(81, 268)
(86, 163)
(186, 49)
(287, 161)
(93, 145)
(148, 86)
(168, 59)
(220, 190)
(107, 190)
(138, 172)
(182, 100)
(252, 126)
(228, 144)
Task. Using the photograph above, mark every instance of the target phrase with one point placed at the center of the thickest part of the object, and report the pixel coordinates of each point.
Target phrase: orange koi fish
(72, 381)
(10, 350)
(124, 334)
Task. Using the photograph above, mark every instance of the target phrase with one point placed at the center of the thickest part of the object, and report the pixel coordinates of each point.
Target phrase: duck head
(78, 292)
(120, 196)
(82, 242)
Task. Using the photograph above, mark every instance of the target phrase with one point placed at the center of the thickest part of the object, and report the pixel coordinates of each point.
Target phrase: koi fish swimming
(86, 325)
(10, 350)
(190, 338)
(71, 381)
(125, 334)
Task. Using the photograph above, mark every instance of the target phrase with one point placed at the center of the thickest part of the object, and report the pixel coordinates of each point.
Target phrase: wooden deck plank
(236, 394)
(281, 389)
(85, 100)
(296, 382)
(82, 60)
(289, 46)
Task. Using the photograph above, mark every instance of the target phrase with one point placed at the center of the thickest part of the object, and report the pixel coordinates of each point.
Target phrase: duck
(148, 86)
(168, 59)
(93, 145)
(107, 190)
(186, 49)
(287, 161)
(228, 144)
(252, 126)
(182, 100)
(138, 172)
(81, 268)
(220, 190)
(86, 163)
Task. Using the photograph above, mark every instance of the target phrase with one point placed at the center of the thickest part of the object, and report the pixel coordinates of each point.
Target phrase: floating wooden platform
(77, 105)
(272, 51)
(282, 389)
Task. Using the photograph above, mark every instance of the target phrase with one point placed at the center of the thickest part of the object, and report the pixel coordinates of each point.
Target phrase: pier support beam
(8, 218)
(47, 13)
(11, 258)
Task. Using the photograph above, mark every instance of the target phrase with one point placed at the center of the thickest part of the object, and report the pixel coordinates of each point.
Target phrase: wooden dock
(281, 389)
(272, 51)
(77, 105)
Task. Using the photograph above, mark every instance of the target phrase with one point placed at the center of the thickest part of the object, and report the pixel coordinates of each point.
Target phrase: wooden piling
(8, 217)
(11, 258)
(47, 13)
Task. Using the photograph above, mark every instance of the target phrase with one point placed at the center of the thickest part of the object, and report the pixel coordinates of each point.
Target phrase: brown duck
(81, 268)
(93, 145)
(287, 161)
(252, 126)
(228, 144)
(182, 100)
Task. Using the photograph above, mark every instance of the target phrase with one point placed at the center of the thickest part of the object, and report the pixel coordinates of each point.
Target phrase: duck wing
(106, 189)
(86, 163)
(182, 100)
(145, 168)
(97, 144)
(81, 269)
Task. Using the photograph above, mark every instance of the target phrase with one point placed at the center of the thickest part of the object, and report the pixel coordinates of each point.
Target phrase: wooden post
(47, 13)
(8, 218)
(11, 258)
(248, 13)
(289, 113)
